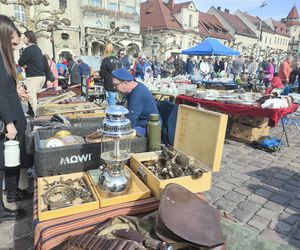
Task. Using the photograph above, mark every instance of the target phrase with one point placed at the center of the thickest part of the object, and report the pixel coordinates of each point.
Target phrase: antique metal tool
(173, 164)
(62, 193)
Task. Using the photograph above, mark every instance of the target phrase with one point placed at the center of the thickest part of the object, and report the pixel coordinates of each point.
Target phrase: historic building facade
(167, 28)
(94, 23)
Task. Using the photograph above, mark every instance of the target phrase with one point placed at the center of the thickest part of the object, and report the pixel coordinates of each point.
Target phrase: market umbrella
(211, 47)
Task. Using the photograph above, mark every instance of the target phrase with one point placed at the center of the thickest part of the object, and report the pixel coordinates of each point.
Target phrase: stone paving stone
(291, 209)
(224, 185)
(273, 236)
(295, 203)
(282, 176)
(224, 204)
(257, 199)
(274, 182)
(297, 235)
(295, 243)
(234, 196)
(273, 206)
(280, 227)
(289, 218)
(240, 176)
(249, 206)
(242, 215)
(263, 192)
(258, 222)
(296, 177)
(23, 243)
(287, 194)
(257, 164)
(266, 213)
(243, 190)
(295, 164)
(233, 180)
(20, 229)
(279, 199)
(294, 182)
(290, 188)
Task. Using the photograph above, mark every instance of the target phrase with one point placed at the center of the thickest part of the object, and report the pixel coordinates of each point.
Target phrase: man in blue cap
(140, 101)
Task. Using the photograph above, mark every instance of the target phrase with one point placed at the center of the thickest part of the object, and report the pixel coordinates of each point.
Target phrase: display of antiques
(229, 96)
(65, 193)
(62, 138)
(114, 178)
(84, 107)
(173, 164)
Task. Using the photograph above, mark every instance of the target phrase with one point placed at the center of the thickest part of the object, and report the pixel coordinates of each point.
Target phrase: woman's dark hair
(7, 28)
(30, 36)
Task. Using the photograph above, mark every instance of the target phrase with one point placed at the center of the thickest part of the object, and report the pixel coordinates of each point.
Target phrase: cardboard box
(61, 212)
(253, 121)
(199, 133)
(247, 133)
(138, 190)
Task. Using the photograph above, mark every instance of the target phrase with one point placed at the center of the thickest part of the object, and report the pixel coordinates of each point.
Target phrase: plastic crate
(75, 123)
(75, 158)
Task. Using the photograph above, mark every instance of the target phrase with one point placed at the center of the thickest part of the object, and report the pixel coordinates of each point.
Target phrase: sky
(276, 9)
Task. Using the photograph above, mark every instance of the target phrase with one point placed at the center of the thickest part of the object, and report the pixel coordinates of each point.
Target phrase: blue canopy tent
(211, 47)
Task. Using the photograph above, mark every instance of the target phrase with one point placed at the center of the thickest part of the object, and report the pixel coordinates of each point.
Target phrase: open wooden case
(199, 133)
(65, 211)
(137, 191)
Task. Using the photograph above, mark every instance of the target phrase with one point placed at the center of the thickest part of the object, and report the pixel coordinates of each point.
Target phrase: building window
(113, 6)
(129, 9)
(62, 4)
(190, 20)
(20, 13)
(270, 41)
(95, 2)
(181, 42)
(266, 39)
(275, 40)
(64, 36)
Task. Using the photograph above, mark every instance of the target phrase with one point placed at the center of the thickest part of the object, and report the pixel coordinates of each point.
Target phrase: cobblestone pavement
(260, 189)
(257, 188)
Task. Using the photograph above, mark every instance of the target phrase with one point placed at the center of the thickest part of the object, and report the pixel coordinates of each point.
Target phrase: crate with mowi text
(44, 124)
(74, 158)
(199, 134)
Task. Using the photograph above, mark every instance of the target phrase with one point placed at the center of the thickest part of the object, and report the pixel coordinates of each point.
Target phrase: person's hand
(11, 131)
(22, 93)
(49, 84)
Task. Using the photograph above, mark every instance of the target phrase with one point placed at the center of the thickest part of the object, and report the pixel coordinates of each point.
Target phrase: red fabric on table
(274, 115)
(51, 233)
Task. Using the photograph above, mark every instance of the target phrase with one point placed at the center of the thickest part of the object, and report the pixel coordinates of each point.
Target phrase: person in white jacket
(204, 69)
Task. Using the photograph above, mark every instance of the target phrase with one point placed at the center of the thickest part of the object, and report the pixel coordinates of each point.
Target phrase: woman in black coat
(11, 113)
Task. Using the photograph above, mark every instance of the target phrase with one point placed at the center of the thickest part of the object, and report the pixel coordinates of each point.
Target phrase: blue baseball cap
(122, 75)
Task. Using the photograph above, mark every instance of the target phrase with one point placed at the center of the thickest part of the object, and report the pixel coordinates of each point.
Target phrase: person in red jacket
(285, 70)
(276, 83)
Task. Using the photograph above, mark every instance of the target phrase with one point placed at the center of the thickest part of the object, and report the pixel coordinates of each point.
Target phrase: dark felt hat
(122, 75)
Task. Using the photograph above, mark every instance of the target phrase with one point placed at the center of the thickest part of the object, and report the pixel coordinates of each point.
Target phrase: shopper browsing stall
(33, 61)
(140, 102)
(12, 115)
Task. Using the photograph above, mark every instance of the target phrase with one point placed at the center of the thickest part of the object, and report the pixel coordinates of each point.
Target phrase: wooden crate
(57, 213)
(252, 121)
(199, 133)
(138, 190)
(248, 134)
